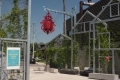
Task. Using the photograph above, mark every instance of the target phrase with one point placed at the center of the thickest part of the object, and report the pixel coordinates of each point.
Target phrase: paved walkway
(41, 75)
(41, 64)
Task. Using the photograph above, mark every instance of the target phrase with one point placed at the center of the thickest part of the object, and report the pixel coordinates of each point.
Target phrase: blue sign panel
(13, 58)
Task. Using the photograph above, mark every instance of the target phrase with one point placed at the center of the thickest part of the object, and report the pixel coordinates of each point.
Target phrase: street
(42, 75)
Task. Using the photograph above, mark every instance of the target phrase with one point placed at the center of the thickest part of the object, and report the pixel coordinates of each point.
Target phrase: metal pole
(71, 41)
(99, 52)
(24, 59)
(113, 62)
(74, 15)
(109, 39)
(33, 40)
(89, 43)
(1, 59)
(74, 8)
(64, 9)
(89, 49)
(28, 42)
(93, 48)
(99, 60)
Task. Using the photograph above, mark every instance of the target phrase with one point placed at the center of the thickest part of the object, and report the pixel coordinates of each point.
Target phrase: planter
(53, 70)
(102, 76)
(85, 72)
(69, 71)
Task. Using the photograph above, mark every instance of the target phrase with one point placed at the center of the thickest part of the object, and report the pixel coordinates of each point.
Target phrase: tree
(38, 53)
(25, 20)
(16, 24)
(60, 55)
(13, 26)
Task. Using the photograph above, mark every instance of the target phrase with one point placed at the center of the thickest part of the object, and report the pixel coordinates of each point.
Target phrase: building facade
(100, 12)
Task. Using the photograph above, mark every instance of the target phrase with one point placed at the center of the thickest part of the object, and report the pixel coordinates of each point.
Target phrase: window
(114, 10)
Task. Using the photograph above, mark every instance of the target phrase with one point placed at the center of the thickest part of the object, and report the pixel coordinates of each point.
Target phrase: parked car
(32, 61)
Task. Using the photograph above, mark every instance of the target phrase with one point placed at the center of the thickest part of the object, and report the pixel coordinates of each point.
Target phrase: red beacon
(47, 24)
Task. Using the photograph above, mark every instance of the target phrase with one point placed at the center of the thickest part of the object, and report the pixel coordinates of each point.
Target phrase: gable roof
(88, 14)
(94, 9)
(58, 36)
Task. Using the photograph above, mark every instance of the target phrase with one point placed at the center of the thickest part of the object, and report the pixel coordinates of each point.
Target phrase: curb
(42, 64)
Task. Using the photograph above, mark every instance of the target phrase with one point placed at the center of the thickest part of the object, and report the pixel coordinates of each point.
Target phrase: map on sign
(13, 58)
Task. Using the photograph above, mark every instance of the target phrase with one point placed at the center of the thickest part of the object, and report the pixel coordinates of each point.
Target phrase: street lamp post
(27, 77)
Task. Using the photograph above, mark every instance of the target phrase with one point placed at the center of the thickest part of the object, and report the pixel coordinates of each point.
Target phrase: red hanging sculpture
(47, 24)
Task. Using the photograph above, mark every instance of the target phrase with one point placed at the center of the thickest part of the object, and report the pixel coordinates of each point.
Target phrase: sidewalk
(40, 63)
(41, 75)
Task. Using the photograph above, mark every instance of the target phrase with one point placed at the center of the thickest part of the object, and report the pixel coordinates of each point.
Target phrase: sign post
(13, 58)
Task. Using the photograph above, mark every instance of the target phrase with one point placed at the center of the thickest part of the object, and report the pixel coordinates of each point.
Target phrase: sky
(38, 13)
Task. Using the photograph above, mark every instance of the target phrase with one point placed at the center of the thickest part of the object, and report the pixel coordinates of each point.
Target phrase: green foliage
(25, 20)
(3, 33)
(15, 25)
(118, 52)
(60, 55)
(18, 72)
(43, 61)
(50, 51)
(103, 40)
(38, 53)
(103, 44)
(76, 49)
(11, 77)
(53, 63)
(115, 31)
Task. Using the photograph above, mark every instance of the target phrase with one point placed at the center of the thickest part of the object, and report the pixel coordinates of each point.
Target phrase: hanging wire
(22, 4)
(56, 4)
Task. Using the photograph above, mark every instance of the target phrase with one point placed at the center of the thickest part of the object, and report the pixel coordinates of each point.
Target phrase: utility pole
(64, 9)
(33, 38)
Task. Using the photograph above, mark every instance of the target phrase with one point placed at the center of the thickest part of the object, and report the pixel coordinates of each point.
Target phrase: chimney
(81, 8)
(81, 12)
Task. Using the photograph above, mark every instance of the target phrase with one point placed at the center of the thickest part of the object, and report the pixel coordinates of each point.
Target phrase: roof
(95, 9)
(58, 36)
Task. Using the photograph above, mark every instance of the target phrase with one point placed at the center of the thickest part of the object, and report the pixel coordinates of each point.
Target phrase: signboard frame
(13, 58)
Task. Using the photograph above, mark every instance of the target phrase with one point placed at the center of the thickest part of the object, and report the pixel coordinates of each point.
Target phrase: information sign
(13, 58)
